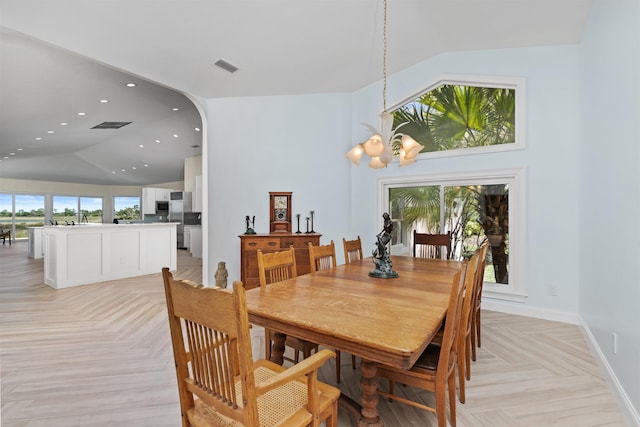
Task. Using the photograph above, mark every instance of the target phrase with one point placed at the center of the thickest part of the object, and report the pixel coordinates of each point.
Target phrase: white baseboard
(523, 310)
(630, 413)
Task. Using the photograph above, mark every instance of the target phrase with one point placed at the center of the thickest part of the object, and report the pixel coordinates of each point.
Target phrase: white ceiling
(280, 46)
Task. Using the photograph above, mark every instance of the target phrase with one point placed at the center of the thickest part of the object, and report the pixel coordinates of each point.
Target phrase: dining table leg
(369, 384)
(277, 348)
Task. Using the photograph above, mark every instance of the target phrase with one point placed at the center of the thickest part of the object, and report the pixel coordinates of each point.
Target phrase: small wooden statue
(221, 275)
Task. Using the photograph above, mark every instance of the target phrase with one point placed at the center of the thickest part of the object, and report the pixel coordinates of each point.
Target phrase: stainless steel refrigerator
(179, 203)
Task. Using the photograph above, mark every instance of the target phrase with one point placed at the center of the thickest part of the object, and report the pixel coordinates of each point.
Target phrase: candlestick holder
(298, 218)
(312, 212)
(307, 219)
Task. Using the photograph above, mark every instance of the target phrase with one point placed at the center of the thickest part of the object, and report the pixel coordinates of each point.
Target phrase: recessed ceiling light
(133, 167)
(12, 154)
(19, 149)
(175, 135)
(104, 101)
(123, 170)
(50, 131)
(81, 114)
(197, 129)
(141, 146)
(113, 172)
(63, 123)
(175, 109)
(38, 138)
(146, 165)
(157, 141)
(131, 85)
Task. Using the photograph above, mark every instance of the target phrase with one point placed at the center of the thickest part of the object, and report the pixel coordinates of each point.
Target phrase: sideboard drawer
(264, 244)
(299, 242)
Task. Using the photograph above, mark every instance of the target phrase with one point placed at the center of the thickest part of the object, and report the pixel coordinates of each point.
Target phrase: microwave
(162, 207)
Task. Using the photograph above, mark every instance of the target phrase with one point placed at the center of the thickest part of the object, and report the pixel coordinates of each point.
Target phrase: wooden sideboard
(250, 243)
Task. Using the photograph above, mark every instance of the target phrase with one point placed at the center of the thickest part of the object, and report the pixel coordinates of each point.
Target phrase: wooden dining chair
(323, 257)
(435, 369)
(464, 336)
(475, 319)
(431, 245)
(275, 267)
(218, 381)
(352, 250)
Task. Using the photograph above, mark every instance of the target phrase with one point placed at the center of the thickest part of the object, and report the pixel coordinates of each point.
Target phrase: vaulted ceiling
(60, 58)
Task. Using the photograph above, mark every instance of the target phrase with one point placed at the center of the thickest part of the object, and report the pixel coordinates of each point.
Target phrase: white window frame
(503, 82)
(515, 290)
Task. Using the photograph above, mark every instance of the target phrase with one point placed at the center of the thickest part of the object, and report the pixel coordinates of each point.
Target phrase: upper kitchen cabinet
(151, 195)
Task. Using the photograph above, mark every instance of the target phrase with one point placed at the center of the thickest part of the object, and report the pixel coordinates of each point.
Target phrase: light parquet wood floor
(100, 355)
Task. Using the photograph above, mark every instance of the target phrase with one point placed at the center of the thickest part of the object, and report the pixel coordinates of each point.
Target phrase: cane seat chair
(219, 384)
(431, 245)
(475, 318)
(276, 267)
(435, 369)
(352, 250)
(4, 234)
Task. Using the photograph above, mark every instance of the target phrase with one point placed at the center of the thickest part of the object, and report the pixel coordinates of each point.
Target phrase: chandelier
(383, 146)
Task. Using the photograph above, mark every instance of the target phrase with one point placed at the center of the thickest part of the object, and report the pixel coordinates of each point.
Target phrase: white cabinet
(163, 194)
(91, 253)
(36, 248)
(195, 240)
(148, 201)
(187, 237)
(149, 197)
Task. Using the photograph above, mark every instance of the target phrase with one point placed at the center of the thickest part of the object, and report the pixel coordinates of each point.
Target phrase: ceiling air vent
(226, 66)
(110, 125)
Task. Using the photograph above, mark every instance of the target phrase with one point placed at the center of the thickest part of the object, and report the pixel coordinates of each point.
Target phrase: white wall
(610, 187)
(277, 143)
(550, 159)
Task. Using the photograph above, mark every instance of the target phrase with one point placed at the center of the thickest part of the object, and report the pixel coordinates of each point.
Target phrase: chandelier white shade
(382, 147)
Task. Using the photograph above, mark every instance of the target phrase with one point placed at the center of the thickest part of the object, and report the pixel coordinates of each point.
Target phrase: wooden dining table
(387, 321)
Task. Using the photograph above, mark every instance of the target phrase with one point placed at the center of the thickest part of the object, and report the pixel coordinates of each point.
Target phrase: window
(29, 213)
(65, 209)
(474, 207)
(464, 115)
(126, 207)
(90, 209)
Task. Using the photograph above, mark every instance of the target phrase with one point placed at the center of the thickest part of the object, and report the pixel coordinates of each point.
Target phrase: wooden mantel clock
(280, 212)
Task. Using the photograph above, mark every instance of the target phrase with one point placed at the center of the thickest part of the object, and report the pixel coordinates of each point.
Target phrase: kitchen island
(90, 253)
